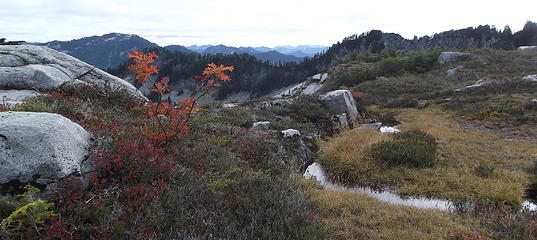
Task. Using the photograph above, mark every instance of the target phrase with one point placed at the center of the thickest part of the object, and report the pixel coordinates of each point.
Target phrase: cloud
(247, 22)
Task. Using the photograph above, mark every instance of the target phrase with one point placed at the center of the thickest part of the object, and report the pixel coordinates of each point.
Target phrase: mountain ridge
(110, 50)
(104, 51)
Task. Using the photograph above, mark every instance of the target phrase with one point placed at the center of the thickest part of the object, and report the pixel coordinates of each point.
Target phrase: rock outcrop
(339, 102)
(530, 78)
(289, 133)
(308, 87)
(449, 57)
(454, 71)
(479, 83)
(375, 126)
(276, 102)
(261, 126)
(40, 148)
(25, 67)
(12, 98)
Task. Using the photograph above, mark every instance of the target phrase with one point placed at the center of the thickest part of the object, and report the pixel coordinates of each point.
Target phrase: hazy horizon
(247, 23)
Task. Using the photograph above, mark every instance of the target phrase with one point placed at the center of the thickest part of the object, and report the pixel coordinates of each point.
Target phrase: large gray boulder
(12, 98)
(40, 148)
(289, 133)
(35, 67)
(449, 57)
(8, 60)
(43, 77)
(261, 126)
(339, 102)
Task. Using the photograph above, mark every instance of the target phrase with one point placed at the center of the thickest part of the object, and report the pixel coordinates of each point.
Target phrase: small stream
(316, 171)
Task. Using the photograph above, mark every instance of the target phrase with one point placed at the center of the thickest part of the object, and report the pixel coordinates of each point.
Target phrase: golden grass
(346, 155)
(461, 150)
(357, 216)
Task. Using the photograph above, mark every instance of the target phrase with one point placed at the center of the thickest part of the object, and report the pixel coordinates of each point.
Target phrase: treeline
(250, 75)
(3, 41)
(483, 36)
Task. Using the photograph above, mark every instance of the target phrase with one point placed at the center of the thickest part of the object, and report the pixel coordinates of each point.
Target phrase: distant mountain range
(263, 54)
(300, 51)
(110, 50)
(179, 48)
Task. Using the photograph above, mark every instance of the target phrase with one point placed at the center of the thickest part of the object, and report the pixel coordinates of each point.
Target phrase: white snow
(110, 39)
(386, 129)
(526, 47)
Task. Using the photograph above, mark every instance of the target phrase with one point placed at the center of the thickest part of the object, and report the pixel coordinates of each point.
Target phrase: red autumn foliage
(57, 229)
(358, 96)
(142, 65)
(170, 121)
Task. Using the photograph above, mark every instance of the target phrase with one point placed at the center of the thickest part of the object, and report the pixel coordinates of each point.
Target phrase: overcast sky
(250, 22)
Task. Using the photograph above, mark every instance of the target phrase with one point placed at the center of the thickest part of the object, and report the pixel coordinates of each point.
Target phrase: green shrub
(393, 66)
(355, 75)
(29, 215)
(413, 149)
(403, 103)
(421, 62)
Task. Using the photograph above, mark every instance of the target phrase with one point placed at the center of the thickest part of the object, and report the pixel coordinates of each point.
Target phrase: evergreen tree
(526, 37)
(4, 42)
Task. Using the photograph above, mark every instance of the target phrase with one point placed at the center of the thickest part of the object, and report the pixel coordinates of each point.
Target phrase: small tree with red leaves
(170, 121)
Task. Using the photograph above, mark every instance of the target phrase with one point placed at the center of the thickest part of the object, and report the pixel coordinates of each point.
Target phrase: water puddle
(316, 171)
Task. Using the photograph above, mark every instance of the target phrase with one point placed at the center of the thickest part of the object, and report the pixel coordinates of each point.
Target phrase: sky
(249, 22)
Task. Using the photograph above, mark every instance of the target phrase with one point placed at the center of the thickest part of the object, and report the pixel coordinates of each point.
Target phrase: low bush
(309, 108)
(355, 75)
(392, 66)
(235, 204)
(403, 103)
(413, 148)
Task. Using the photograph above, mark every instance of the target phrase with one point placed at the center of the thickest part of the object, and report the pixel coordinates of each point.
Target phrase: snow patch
(387, 129)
